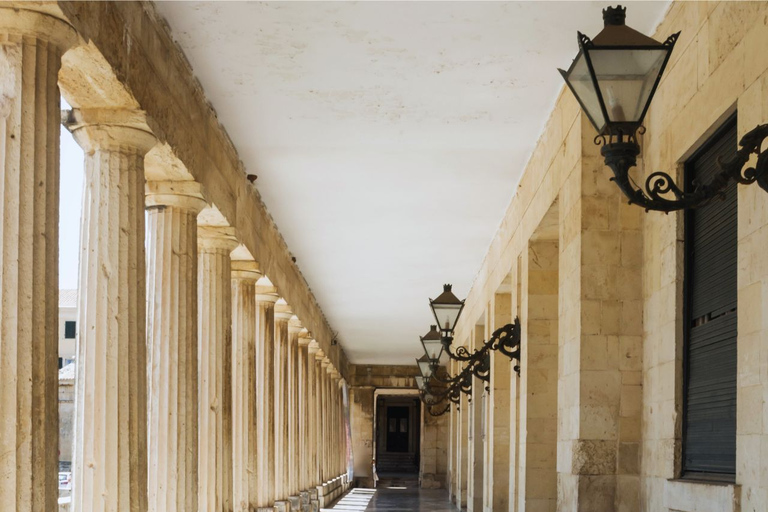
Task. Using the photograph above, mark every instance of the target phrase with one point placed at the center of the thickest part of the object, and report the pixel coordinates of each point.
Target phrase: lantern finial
(614, 15)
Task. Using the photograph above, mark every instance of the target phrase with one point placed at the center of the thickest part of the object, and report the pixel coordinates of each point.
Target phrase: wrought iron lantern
(425, 367)
(433, 344)
(614, 77)
(447, 309)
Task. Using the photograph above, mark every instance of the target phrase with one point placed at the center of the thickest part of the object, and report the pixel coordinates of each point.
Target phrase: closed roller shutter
(709, 430)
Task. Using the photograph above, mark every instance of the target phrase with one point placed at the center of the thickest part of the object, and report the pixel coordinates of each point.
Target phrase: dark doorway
(397, 435)
(398, 431)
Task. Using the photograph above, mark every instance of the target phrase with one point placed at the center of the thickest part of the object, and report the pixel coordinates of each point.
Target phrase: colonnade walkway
(395, 500)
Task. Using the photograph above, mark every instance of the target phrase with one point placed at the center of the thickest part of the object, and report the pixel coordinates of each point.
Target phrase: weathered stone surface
(31, 45)
(244, 440)
(110, 462)
(172, 344)
(215, 369)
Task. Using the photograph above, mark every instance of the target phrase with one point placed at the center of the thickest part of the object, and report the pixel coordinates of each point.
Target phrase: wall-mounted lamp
(614, 77)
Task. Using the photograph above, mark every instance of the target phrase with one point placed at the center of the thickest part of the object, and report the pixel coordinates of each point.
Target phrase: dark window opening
(709, 395)
(69, 329)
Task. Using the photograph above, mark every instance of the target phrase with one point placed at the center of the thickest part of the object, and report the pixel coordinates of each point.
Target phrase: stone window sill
(688, 495)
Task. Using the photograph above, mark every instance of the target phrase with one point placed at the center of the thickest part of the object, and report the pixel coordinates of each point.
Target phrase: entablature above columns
(118, 48)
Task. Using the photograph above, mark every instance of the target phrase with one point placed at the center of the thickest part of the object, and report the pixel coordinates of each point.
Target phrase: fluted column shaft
(31, 45)
(303, 412)
(244, 385)
(110, 458)
(292, 392)
(172, 345)
(312, 418)
(281, 392)
(319, 427)
(262, 481)
(325, 409)
(215, 369)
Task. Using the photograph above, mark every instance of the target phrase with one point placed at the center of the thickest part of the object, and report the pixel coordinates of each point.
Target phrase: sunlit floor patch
(355, 500)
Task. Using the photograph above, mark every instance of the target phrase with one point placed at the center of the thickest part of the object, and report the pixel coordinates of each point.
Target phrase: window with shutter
(709, 422)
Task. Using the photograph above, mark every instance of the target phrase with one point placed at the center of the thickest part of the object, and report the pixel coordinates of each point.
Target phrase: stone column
(31, 45)
(110, 459)
(303, 410)
(312, 418)
(172, 344)
(215, 368)
(294, 471)
(319, 400)
(337, 441)
(262, 481)
(244, 385)
(283, 315)
(325, 417)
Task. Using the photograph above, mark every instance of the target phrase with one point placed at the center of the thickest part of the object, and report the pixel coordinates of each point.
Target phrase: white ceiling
(388, 137)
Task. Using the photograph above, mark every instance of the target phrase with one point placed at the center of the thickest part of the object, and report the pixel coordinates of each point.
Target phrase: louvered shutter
(709, 431)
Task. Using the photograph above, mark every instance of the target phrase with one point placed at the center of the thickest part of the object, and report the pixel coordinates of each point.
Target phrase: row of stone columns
(196, 390)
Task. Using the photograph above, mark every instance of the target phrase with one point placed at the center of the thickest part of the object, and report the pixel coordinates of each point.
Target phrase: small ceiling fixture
(614, 77)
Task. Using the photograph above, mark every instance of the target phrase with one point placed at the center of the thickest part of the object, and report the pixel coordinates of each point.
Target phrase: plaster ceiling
(388, 137)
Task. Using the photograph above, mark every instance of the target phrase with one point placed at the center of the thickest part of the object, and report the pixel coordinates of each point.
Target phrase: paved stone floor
(401, 500)
(396, 500)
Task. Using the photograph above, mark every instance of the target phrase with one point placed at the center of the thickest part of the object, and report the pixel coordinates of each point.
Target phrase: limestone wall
(619, 294)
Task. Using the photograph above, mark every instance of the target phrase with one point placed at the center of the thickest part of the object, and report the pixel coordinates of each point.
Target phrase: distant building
(67, 350)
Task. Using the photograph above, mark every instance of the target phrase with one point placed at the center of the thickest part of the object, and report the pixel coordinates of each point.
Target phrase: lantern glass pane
(420, 382)
(626, 79)
(446, 315)
(426, 369)
(580, 81)
(433, 349)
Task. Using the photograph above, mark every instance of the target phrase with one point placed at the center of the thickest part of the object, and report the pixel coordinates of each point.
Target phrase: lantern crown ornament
(614, 78)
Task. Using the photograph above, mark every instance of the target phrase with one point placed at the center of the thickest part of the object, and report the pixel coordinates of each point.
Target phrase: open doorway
(398, 440)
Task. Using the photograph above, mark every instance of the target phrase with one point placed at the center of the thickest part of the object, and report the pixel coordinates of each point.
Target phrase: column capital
(305, 338)
(245, 270)
(266, 291)
(216, 238)
(186, 195)
(283, 312)
(29, 22)
(294, 326)
(110, 129)
(313, 347)
(319, 355)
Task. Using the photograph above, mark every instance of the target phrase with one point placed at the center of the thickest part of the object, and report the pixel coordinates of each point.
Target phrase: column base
(314, 505)
(295, 502)
(304, 501)
(282, 506)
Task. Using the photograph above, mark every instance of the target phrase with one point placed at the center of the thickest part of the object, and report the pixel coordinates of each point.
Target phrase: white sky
(71, 204)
